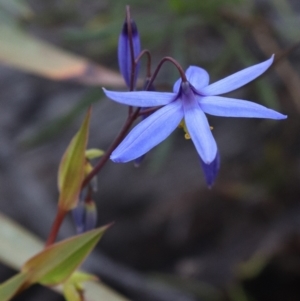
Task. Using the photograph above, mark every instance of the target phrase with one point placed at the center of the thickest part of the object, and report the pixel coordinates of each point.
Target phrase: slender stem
(148, 111)
(88, 199)
(115, 143)
(163, 60)
(60, 215)
(142, 53)
(130, 109)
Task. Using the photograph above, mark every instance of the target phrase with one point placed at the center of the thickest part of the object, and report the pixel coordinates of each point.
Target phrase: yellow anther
(182, 125)
(187, 136)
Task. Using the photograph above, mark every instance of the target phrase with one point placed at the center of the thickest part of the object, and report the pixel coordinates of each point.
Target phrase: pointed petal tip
(282, 116)
(267, 63)
(115, 158)
(275, 115)
(105, 91)
(232, 107)
(238, 79)
(271, 59)
(109, 94)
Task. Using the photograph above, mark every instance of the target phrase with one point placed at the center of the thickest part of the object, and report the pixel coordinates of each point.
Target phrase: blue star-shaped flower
(189, 102)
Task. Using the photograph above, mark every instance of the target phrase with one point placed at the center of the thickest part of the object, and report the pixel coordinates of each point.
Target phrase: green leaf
(18, 244)
(10, 287)
(27, 53)
(72, 168)
(56, 263)
(93, 153)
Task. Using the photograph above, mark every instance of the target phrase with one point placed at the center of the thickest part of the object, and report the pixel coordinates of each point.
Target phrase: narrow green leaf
(18, 244)
(72, 168)
(56, 263)
(10, 287)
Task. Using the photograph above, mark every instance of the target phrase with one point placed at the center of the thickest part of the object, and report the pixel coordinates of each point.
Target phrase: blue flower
(189, 102)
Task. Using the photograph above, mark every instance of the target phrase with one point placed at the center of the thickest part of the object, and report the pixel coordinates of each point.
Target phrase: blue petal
(197, 76)
(231, 107)
(199, 129)
(141, 98)
(237, 80)
(148, 133)
(124, 55)
(211, 170)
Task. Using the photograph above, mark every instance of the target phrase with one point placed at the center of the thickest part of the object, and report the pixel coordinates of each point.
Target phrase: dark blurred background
(173, 238)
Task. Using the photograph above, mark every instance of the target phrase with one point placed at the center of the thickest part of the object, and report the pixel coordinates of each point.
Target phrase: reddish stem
(148, 54)
(60, 215)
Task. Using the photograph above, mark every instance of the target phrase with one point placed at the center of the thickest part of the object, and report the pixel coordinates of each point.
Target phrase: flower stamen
(182, 125)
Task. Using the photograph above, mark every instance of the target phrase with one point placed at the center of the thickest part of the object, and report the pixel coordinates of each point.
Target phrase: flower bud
(124, 51)
(85, 216)
(78, 214)
(90, 215)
